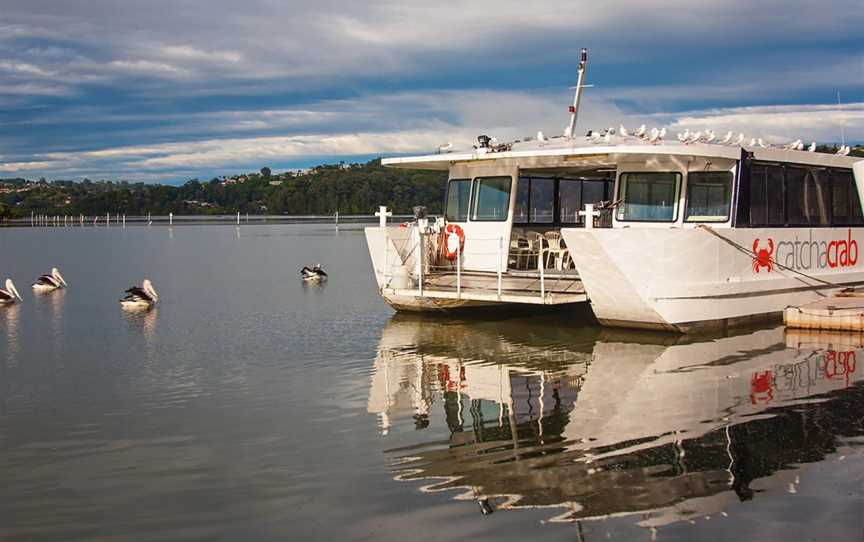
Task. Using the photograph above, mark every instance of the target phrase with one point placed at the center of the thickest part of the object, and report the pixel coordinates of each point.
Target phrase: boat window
(807, 196)
(569, 200)
(767, 206)
(542, 210)
(458, 198)
(492, 198)
(523, 200)
(709, 195)
(845, 202)
(649, 196)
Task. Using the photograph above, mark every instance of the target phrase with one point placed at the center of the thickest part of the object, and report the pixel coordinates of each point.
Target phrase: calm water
(248, 406)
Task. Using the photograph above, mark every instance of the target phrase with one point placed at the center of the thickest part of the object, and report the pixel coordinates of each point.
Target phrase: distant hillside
(347, 188)
(323, 190)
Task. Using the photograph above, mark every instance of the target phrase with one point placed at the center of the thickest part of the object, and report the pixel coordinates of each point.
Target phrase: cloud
(315, 77)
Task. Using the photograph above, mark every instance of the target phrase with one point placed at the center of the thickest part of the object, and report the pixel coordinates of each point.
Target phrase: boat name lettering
(808, 254)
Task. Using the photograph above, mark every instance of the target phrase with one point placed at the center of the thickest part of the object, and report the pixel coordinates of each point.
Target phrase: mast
(574, 109)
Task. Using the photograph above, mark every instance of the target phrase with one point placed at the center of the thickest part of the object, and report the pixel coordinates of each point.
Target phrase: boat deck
(521, 288)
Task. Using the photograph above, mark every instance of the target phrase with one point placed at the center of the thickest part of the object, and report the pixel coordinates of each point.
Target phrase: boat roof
(613, 151)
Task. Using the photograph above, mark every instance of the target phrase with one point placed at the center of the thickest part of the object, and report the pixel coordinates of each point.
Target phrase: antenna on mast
(574, 109)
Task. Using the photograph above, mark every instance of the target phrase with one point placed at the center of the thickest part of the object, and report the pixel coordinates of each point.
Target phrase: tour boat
(655, 231)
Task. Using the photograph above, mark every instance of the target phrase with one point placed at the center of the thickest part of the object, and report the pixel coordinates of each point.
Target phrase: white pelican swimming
(140, 297)
(10, 294)
(315, 274)
(47, 283)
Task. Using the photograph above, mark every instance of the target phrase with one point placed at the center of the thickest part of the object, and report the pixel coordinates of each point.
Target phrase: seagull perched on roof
(812, 147)
(710, 136)
(641, 132)
(567, 132)
(655, 136)
(727, 138)
(445, 147)
(622, 131)
(607, 138)
(540, 137)
(799, 146)
(739, 140)
(844, 150)
(761, 143)
(794, 145)
(684, 137)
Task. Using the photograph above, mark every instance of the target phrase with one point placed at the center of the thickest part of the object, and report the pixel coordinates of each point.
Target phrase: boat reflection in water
(603, 423)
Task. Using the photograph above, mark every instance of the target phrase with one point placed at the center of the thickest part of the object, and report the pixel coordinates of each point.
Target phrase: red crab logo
(762, 257)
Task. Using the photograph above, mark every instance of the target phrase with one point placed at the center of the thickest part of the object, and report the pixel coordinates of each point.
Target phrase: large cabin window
(709, 195)
(767, 201)
(846, 205)
(492, 199)
(558, 200)
(458, 199)
(807, 197)
(542, 207)
(649, 196)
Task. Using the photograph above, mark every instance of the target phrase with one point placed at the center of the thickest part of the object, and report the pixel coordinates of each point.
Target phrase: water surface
(248, 405)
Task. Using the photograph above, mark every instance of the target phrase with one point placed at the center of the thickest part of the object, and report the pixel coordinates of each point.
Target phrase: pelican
(10, 294)
(48, 283)
(140, 297)
(314, 274)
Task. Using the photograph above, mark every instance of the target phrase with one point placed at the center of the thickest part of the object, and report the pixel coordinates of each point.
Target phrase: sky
(169, 90)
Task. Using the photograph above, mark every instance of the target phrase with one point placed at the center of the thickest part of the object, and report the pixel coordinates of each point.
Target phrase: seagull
(727, 138)
(794, 145)
(799, 146)
(844, 150)
(594, 136)
(739, 140)
(313, 274)
(622, 131)
(540, 137)
(140, 297)
(696, 137)
(655, 135)
(684, 137)
(752, 141)
(761, 143)
(445, 147)
(48, 283)
(812, 147)
(10, 294)
(608, 137)
(662, 132)
(641, 132)
(710, 136)
(567, 132)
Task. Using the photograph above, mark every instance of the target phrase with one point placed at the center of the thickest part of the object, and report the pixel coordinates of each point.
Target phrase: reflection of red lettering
(760, 387)
(839, 365)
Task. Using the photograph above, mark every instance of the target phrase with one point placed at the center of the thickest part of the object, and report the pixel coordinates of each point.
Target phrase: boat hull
(692, 279)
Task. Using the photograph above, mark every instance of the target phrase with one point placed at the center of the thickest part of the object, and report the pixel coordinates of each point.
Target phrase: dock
(842, 312)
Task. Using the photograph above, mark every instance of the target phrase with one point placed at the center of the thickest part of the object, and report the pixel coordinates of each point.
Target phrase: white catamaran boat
(698, 232)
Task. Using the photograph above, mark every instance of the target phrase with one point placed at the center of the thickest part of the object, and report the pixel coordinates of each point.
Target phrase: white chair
(557, 250)
(536, 244)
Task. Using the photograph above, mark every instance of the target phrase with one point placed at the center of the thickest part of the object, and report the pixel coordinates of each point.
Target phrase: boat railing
(413, 259)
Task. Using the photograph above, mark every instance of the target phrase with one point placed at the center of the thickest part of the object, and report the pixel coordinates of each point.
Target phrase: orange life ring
(454, 241)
